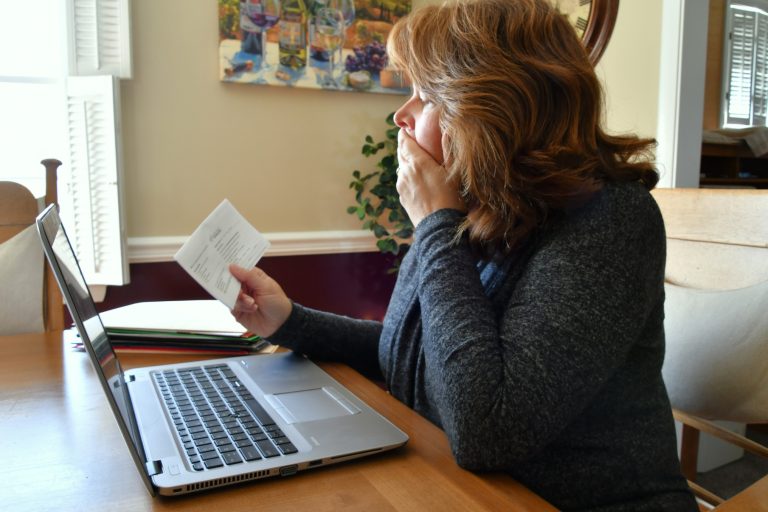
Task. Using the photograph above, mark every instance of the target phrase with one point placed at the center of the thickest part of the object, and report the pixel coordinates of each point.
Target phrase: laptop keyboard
(217, 419)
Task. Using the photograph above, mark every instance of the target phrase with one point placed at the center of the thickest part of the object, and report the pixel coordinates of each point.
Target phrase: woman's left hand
(423, 184)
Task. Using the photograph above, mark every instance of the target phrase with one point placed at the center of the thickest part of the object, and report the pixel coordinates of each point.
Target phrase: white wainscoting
(162, 248)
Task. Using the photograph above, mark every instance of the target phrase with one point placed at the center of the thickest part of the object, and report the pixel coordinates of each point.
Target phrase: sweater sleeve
(329, 337)
(508, 382)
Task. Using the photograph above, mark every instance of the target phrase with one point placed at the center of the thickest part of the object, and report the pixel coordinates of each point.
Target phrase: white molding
(681, 91)
(162, 248)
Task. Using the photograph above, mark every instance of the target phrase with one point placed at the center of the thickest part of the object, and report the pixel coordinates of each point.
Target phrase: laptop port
(289, 470)
(316, 462)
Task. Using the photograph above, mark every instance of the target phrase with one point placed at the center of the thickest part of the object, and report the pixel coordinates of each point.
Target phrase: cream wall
(284, 156)
(629, 68)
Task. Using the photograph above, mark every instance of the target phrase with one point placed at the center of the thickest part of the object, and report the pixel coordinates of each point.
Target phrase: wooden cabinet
(732, 165)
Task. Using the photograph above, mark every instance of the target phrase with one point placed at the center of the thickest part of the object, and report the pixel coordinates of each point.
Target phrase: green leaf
(381, 190)
(387, 245)
(379, 230)
(351, 209)
(369, 139)
(389, 161)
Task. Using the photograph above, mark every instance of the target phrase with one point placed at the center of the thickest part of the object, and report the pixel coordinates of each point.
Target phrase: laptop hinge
(154, 467)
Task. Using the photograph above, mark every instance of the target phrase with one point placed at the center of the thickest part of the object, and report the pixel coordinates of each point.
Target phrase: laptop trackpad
(311, 405)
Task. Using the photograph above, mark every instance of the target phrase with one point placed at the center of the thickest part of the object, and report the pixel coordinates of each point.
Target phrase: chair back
(18, 209)
(717, 298)
(716, 238)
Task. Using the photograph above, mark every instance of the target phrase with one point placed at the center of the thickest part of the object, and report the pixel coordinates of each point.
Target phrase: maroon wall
(353, 284)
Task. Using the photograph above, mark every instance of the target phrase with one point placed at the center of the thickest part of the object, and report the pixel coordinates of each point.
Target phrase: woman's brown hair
(521, 111)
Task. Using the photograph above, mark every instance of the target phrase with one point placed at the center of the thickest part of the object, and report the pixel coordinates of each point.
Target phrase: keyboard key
(258, 411)
(255, 431)
(231, 458)
(267, 448)
(209, 455)
(287, 448)
(227, 448)
(206, 447)
(234, 431)
(250, 453)
(243, 443)
(213, 463)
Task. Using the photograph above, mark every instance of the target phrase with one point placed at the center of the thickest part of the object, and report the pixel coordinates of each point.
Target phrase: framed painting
(319, 44)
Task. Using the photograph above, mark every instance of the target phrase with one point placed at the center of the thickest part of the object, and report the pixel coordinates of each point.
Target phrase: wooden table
(61, 450)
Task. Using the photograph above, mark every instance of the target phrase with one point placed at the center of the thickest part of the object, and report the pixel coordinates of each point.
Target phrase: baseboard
(162, 248)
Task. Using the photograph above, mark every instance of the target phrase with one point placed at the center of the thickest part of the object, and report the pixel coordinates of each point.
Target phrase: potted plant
(377, 201)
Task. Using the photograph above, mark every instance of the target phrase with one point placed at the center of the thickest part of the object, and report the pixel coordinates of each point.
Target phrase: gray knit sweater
(545, 365)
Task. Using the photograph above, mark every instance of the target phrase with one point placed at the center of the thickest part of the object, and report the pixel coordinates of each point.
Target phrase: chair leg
(689, 452)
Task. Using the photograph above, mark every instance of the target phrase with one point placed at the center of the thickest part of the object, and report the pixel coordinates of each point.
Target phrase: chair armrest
(720, 432)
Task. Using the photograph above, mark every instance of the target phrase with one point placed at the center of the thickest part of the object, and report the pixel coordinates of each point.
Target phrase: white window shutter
(742, 53)
(92, 210)
(760, 90)
(99, 37)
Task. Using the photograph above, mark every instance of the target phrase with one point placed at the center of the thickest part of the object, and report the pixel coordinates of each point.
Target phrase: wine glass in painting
(256, 17)
(329, 36)
(347, 8)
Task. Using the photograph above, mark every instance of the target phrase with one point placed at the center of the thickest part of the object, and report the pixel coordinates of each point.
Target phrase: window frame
(754, 117)
(95, 55)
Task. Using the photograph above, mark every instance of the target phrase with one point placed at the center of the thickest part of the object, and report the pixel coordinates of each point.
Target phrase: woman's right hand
(262, 306)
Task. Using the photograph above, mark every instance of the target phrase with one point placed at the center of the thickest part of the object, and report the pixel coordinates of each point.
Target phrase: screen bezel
(48, 225)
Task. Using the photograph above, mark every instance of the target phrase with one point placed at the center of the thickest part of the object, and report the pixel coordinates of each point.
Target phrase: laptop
(204, 424)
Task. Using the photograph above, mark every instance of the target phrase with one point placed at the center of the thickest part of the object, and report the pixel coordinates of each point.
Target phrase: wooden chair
(716, 316)
(18, 209)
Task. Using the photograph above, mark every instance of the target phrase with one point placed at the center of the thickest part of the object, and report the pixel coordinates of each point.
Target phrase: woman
(527, 318)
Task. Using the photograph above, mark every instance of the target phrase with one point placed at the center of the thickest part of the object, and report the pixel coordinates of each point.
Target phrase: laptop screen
(83, 310)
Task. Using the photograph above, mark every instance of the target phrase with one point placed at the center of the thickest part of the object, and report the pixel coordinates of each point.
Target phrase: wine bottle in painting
(315, 51)
(251, 42)
(293, 34)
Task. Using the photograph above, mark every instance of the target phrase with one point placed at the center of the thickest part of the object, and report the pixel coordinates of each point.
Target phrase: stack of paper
(188, 326)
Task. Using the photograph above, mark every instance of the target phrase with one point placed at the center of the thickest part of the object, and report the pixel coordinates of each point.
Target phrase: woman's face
(419, 117)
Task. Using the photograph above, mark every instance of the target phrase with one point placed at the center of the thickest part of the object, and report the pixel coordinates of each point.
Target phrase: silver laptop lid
(66, 269)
